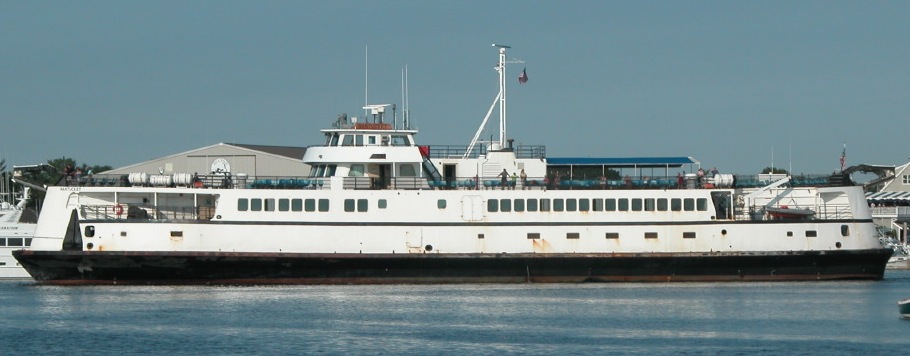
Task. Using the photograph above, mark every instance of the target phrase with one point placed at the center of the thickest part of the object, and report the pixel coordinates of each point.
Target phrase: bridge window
(347, 140)
(400, 140)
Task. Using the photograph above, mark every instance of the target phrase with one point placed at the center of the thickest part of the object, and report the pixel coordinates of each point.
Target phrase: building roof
(286, 151)
(642, 162)
(887, 196)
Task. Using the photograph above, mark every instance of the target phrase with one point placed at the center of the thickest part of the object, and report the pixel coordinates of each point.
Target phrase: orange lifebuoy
(118, 209)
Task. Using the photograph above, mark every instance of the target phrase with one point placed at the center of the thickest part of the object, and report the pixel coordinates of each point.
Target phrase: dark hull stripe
(481, 223)
(80, 267)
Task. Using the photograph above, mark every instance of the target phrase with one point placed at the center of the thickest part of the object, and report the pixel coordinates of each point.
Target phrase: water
(790, 318)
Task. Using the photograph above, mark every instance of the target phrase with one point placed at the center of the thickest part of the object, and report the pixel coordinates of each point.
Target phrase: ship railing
(145, 212)
(823, 212)
(455, 151)
(894, 212)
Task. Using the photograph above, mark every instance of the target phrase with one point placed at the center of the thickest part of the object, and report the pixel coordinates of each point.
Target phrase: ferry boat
(378, 208)
(17, 226)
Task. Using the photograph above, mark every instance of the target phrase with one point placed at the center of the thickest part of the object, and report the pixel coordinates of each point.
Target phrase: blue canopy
(622, 162)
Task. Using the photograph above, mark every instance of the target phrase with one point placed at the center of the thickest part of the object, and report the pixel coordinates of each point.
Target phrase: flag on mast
(843, 158)
(523, 77)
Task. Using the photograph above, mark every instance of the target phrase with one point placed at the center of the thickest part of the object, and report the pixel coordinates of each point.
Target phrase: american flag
(523, 77)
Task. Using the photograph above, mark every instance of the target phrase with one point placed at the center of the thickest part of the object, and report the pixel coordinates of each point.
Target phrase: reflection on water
(792, 317)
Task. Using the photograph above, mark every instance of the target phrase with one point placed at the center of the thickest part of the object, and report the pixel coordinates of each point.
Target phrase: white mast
(501, 99)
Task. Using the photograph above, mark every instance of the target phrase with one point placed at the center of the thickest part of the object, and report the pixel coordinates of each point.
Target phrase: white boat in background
(378, 208)
(17, 226)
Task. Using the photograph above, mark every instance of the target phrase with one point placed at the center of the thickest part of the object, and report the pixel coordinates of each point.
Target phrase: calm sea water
(791, 318)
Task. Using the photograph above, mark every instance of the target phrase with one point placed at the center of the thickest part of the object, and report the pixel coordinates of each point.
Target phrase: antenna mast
(500, 99)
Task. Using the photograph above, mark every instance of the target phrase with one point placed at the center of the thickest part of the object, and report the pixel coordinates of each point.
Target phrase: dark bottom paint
(94, 267)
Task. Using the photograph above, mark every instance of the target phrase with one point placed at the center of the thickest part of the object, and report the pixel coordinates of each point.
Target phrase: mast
(500, 99)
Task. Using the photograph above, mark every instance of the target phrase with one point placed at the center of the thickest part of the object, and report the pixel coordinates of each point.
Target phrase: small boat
(904, 307)
(786, 213)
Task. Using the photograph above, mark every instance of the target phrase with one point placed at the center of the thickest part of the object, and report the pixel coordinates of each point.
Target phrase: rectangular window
(623, 204)
(384, 204)
(270, 204)
(532, 204)
(610, 204)
(612, 235)
(650, 204)
(573, 235)
(662, 204)
(676, 204)
(284, 204)
(492, 205)
(407, 170)
(356, 170)
(702, 204)
(650, 235)
(545, 205)
(688, 235)
(309, 205)
(636, 204)
(505, 205)
(533, 235)
(363, 205)
(559, 205)
(598, 204)
(349, 205)
(243, 204)
(296, 204)
(256, 204)
(176, 233)
(689, 204)
(440, 204)
(14, 241)
(519, 205)
(811, 233)
(323, 205)
(480, 236)
(2, 242)
(906, 179)
(571, 204)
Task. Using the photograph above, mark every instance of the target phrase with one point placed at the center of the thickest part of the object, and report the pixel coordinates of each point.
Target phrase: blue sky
(730, 83)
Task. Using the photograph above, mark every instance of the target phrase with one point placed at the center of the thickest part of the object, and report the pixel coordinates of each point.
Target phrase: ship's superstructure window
(598, 204)
(689, 204)
(662, 204)
(906, 179)
(532, 204)
(356, 170)
(650, 204)
(309, 205)
(559, 205)
(441, 203)
(623, 204)
(349, 205)
(545, 205)
(256, 204)
(519, 205)
(636, 204)
(400, 140)
(533, 235)
(505, 205)
(845, 230)
(811, 233)
(571, 204)
(702, 204)
(284, 204)
(584, 204)
(269, 204)
(323, 205)
(384, 204)
(347, 140)
(610, 204)
(363, 205)
(243, 204)
(16, 241)
(296, 204)
(492, 205)
(676, 204)
(407, 170)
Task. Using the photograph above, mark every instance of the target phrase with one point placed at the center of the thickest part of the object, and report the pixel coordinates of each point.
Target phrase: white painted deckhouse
(378, 208)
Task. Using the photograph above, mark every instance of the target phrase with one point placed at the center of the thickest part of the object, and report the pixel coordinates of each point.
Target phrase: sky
(737, 85)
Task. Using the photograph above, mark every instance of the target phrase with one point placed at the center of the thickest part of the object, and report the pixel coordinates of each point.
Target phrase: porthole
(723, 232)
(838, 244)
(428, 248)
(90, 231)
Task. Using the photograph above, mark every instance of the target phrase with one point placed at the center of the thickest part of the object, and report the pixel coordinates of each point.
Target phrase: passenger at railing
(514, 179)
(603, 182)
(628, 181)
(701, 177)
(476, 182)
(556, 181)
(524, 179)
(78, 176)
(680, 181)
(505, 178)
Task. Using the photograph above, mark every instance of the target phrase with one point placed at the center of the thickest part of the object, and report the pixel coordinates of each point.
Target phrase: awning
(888, 196)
